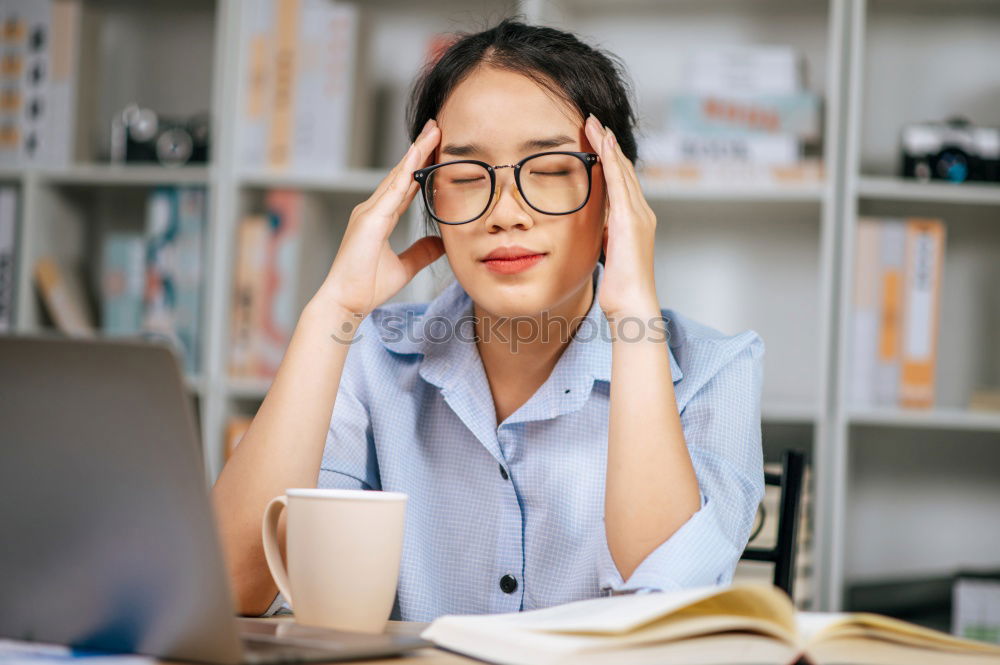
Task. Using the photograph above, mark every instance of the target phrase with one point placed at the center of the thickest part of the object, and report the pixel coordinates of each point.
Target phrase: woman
(558, 434)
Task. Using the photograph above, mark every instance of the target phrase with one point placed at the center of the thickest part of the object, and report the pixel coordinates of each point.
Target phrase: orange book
(921, 291)
(892, 236)
(279, 144)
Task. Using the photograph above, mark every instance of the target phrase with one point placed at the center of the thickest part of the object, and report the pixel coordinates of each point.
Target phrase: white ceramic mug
(344, 549)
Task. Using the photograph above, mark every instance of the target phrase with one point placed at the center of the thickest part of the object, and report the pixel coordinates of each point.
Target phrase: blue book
(122, 274)
(797, 114)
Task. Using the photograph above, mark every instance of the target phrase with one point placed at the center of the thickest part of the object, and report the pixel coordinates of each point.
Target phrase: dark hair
(587, 78)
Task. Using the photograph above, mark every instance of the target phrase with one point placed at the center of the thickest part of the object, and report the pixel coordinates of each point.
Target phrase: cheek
(456, 241)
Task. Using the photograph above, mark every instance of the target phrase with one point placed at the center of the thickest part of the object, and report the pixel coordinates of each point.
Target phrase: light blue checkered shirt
(415, 414)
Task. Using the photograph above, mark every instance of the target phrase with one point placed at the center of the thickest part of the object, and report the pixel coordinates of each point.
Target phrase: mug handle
(272, 553)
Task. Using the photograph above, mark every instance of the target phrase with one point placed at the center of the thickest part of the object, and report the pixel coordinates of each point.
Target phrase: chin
(510, 295)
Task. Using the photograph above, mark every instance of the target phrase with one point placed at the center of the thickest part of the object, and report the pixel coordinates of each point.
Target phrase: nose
(508, 209)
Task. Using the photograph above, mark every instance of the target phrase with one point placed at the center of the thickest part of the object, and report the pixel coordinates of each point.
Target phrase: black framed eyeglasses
(461, 191)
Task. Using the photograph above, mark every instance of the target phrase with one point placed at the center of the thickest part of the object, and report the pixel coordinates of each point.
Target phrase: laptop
(107, 537)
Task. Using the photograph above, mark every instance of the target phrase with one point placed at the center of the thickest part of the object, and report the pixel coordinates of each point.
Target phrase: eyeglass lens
(554, 184)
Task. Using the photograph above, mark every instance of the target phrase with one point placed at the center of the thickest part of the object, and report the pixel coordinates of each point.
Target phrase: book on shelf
(924, 251)
(895, 312)
(744, 70)
(743, 623)
(279, 295)
(150, 279)
(741, 117)
(702, 148)
(796, 114)
(273, 272)
(122, 282)
(63, 295)
(40, 40)
(174, 238)
(302, 110)
(737, 176)
(8, 256)
(251, 245)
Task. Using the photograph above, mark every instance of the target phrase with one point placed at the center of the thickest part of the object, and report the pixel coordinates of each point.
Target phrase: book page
(665, 636)
(621, 622)
(834, 634)
(875, 651)
(622, 614)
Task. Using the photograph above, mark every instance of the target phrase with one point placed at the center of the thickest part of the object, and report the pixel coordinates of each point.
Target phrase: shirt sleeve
(349, 460)
(721, 423)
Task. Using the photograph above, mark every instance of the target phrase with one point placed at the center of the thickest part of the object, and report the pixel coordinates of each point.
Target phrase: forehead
(500, 110)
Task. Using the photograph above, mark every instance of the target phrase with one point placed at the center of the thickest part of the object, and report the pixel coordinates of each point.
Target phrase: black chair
(782, 555)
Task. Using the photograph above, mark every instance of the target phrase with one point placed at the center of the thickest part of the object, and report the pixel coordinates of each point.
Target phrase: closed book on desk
(748, 623)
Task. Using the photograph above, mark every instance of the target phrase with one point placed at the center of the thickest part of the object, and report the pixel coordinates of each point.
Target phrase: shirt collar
(445, 336)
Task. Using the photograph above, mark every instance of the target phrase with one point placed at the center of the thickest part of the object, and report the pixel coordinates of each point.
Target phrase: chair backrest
(783, 554)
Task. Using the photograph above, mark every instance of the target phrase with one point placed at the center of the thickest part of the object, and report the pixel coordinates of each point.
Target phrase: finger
(596, 135)
(630, 176)
(395, 192)
(382, 186)
(618, 192)
(421, 254)
(408, 199)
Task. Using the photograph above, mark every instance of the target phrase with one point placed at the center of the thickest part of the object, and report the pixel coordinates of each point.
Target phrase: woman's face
(500, 117)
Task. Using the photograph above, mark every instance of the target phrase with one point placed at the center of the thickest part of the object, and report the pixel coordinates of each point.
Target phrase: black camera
(953, 150)
(141, 135)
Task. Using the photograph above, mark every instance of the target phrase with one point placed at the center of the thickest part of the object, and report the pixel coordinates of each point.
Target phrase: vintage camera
(953, 150)
(141, 135)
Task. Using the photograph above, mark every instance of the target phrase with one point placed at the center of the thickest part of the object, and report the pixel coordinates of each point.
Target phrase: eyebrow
(532, 144)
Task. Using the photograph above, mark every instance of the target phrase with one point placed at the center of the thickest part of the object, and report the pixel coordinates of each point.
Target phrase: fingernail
(426, 125)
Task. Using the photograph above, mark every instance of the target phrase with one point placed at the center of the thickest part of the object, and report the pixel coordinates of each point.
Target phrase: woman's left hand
(628, 286)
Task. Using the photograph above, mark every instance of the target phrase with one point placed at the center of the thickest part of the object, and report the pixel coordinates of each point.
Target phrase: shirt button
(503, 472)
(508, 584)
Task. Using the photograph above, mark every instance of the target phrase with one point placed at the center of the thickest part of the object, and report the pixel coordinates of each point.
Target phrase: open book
(748, 623)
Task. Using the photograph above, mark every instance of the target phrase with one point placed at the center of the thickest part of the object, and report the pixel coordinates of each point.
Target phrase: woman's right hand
(366, 271)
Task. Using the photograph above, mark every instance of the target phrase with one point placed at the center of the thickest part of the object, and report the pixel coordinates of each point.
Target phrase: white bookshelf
(911, 493)
(777, 260)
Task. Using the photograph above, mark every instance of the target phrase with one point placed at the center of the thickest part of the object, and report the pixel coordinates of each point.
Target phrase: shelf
(10, 174)
(355, 181)
(658, 191)
(902, 189)
(107, 174)
(254, 389)
(942, 418)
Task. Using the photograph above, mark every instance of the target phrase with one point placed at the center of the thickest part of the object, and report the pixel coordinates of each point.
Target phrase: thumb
(421, 254)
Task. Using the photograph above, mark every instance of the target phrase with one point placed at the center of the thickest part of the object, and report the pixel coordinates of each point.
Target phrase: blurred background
(826, 173)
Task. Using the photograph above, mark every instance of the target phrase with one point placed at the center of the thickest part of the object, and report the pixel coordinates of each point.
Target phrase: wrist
(333, 317)
(641, 306)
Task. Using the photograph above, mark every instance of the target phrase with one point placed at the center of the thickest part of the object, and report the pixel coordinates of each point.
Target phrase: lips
(510, 253)
(510, 260)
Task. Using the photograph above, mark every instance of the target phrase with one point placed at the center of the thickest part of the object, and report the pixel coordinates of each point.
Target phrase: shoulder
(388, 334)
(400, 334)
(703, 352)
